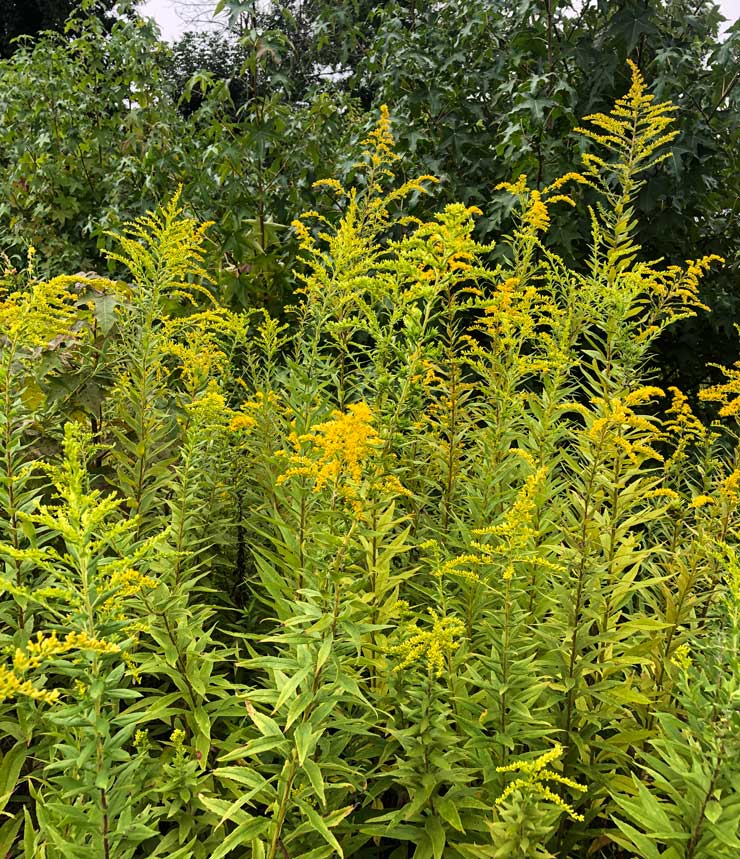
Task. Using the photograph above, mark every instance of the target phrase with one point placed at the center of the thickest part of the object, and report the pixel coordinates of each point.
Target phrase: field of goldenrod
(428, 568)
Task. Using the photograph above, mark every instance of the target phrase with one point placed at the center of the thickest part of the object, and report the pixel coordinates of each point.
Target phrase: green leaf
(713, 810)
(447, 810)
(305, 741)
(8, 833)
(10, 767)
(105, 311)
(241, 836)
(319, 826)
(313, 771)
(437, 836)
(289, 688)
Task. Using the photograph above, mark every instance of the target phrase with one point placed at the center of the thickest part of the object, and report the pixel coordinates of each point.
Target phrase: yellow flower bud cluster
(618, 427)
(730, 486)
(432, 645)
(34, 318)
(682, 422)
(515, 536)
(197, 342)
(242, 423)
(380, 141)
(251, 410)
(45, 647)
(39, 650)
(536, 215)
(532, 778)
(130, 582)
(682, 428)
(681, 657)
(209, 408)
(727, 393)
(12, 686)
(615, 130)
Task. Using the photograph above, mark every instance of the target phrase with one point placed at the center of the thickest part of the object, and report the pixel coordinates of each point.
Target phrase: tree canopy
(31, 17)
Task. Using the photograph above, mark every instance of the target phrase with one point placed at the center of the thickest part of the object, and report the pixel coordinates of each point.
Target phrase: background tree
(90, 136)
(217, 55)
(31, 17)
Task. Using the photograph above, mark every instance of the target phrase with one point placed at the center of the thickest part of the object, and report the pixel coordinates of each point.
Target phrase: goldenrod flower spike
(633, 131)
(432, 645)
(39, 650)
(380, 141)
(45, 647)
(338, 453)
(534, 774)
(12, 686)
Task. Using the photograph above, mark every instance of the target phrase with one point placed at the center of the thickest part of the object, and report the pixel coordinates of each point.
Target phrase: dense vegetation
(496, 571)
(367, 533)
(97, 127)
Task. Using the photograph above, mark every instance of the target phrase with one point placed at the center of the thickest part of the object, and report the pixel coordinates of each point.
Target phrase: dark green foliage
(31, 17)
(92, 136)
(201, 58)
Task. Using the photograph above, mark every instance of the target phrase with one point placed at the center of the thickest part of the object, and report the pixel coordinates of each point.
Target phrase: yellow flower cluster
(517, 524)
(380, 141)
(338, 449)
(682, 428)
(683, 422)
(305, 239)
(40, 650)
(208, 410)
(681, 657)
(564, 179)
(12, 686)
(670, 294)
(517, 322)
(697, 269)
(34, 318)
(199, 362)
(345, 263)
(662, 492)
(730, 486)
(616, 131)
(164, 251)
(534, 774)
(333, 185)
(515, 534)
(536, 214)
(459, 566)
(45, 647)
(246, 420)
(242, 423)
(727, 393)
(623, 429)
(130, 582)
(440, 254)
(198, 341)
(431, 644)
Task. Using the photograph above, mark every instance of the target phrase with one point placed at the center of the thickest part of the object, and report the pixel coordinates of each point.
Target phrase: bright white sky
(176, 16)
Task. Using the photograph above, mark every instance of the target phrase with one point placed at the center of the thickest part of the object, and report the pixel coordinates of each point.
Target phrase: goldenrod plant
(427, 569)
